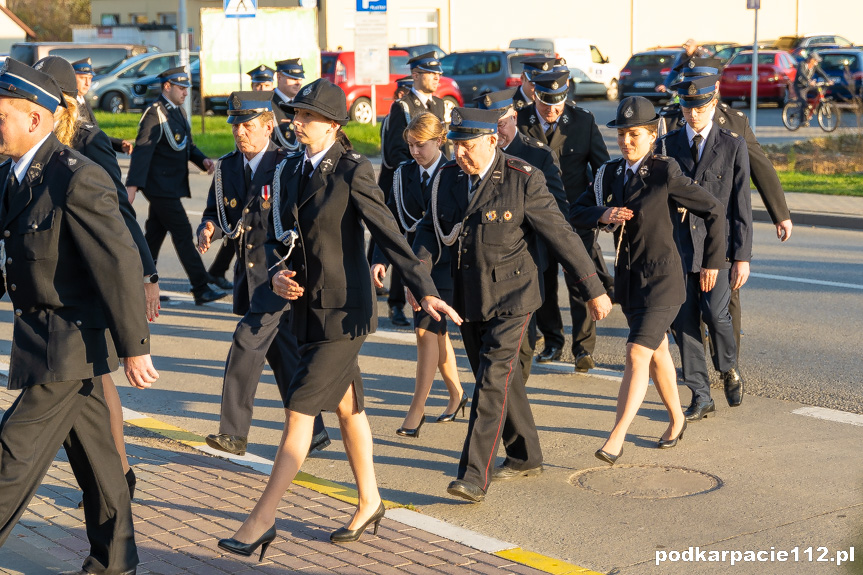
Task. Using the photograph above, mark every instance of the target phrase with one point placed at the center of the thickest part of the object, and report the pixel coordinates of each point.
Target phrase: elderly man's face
(475, 154)
(507, 128)
(253, 136)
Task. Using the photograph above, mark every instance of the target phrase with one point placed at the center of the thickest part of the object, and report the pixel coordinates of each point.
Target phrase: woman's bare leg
(665, 378)
(633, 388)
(449, 371)
(427, 362)
(357, 437)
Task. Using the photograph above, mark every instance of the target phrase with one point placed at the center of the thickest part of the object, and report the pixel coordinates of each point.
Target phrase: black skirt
(325, 371)
(648, 325)
(422, 320)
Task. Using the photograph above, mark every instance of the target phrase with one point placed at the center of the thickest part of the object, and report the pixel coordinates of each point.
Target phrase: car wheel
(114, 102)
(448, 104)
(361, 111)
(613, 92)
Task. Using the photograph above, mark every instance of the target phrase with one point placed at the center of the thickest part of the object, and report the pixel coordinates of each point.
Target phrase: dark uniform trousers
(222, 262)
(72, 414)
(168, 215)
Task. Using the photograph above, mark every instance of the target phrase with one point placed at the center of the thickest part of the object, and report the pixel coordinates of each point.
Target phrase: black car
(484, 71)
(645, 71)
(146, 90)
(843, 65)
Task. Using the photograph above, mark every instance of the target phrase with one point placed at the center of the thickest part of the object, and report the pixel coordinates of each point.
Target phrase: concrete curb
(817, 219)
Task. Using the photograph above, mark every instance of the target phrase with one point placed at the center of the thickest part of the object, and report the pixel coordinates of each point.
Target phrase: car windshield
(839, 61)
(646, 60)
(447, 64)
(126, 63)
(745, 58)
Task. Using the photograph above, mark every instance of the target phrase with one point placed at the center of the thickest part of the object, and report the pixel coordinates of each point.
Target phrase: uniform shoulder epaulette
(449, 164)
(661, 158)
(520, 165)
(739, 113)
(728, 132)
(72, 159)
(532, 142)
(579, 108)
(353, 156)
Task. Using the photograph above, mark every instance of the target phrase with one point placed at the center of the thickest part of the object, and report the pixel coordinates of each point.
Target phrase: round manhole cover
(646, 481)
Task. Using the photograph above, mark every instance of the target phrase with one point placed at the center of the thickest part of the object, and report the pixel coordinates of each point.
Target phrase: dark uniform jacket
(329, 257)
(94, 144)
(283, 131)
(86, 115)
(723, 170)
(519, 100)
(760, 167)
(576, 142)
(72, 271)
(649, 270)
(251, 282)
(156, 167)
(493, 259)
(415, 203)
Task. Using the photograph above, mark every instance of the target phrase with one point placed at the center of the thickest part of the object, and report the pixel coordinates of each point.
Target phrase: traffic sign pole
(753, 96)
(371, 54)
(240, 9)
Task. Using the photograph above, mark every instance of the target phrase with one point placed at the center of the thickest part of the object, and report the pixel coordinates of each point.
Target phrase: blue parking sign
(371, 5)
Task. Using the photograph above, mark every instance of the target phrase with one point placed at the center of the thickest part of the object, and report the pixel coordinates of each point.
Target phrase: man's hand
(783, 230)
(599, 307)
(379, 272)
(708, 279)
(210, 165)
(205, 236)
(140, 371)
(411, 300)
(131, 191)
(284, 286)
(661, 88)
(433, 305)
(127, 146)
(151, 294)
(739, 274)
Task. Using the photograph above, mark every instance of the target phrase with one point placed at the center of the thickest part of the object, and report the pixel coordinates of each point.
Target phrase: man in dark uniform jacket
(425, 72)
(717, 160)
(486, 208)
(159, 168)
(238, 206)
(572, 134)
(682, 61)
(761, 169)
(84, 75)
(513, 143)
(262, 79)
(68, 320)
(289, 79)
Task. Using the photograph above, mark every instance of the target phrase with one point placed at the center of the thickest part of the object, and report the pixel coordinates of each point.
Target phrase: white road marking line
(831, 415)
(446, 530)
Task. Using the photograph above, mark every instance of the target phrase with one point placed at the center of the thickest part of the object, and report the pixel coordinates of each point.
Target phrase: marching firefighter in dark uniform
(533, 66)
(289, 79)
(238, 207)
(84, 76)
(159, 169)
(262, 78)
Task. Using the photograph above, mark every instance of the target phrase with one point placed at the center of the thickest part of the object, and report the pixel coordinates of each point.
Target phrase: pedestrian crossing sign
(241, 8)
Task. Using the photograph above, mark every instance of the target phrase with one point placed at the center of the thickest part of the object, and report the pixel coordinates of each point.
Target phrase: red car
(776, 72)
(338, 68)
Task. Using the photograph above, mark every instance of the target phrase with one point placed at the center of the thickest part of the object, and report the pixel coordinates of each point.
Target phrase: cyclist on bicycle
(805, 82)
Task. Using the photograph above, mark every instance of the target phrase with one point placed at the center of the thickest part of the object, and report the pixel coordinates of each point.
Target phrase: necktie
(474, 184)
(11, 188)
(248, 178)
(307, 174)
(425, 180)
(628, 181)
(696, 142)
(550, 132)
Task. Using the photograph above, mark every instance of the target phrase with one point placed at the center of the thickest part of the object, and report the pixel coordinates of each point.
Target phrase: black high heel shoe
(447, 417)
(246, 549)
(411, 432)
(344, 535)
(607, 457)
(669, 443)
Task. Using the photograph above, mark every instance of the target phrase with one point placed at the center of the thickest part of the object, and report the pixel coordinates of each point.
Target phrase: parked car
(484, 71)
(580, 54)
(147, 89)
(729, 52)
(834, 62)
(112, 91)
(422, 49)
(799, 45)
(338, 68)
(776, 72)
(645, 70)
(103, 56)
(581, 86)
(714, 47)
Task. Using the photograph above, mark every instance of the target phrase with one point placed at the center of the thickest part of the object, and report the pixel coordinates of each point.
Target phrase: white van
(579, 54)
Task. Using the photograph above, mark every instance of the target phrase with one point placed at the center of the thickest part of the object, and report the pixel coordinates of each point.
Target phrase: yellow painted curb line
(543, 563)
(168, 430)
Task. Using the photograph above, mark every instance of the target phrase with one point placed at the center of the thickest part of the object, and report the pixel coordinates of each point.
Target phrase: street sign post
(753, 95)
(371, 51)
(240, 9)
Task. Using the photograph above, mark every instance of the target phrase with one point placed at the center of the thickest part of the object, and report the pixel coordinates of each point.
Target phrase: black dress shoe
(221, 282)
(583, 362)
(733, 384)
(549, 354)
(447, 417)
(607, 457)
(207, 295)
(319, 442)
(247, 549)
(405, 432)
(669, 443)
(699, 409)
(233, 444)
(504, 473)
(397, 316)
(466, 490)
(345, 535)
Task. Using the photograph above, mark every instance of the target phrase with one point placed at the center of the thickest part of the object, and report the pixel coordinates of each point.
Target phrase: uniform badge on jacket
(265, 196)
(491, 215)
(507, 216)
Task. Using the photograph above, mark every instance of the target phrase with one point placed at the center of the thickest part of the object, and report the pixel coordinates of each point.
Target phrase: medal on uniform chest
(507, 216)
(265, 196)
(177, 137)
(491, 215)
(234, 203)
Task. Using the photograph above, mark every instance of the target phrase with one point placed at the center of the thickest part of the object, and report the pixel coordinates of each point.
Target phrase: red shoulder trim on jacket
(520, 165)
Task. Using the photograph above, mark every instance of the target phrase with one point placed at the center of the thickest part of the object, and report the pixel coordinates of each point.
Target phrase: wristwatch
(151, 279)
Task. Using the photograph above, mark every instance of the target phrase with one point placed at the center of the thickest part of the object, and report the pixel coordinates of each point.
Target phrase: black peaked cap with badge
(83, 67)
(551, 87)
(177, 76)
(62, 71)
(405, 82)
(696, 91)
(261, 74)
(634, 111)
(428, 62)
(248, 105)
(18, 80)
(292, 68)
(322, 97)
(470, 123)
(536, 65)
(500, 100)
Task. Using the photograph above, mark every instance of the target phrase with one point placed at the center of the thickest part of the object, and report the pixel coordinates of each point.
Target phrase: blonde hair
(65, 126)
(425, 127)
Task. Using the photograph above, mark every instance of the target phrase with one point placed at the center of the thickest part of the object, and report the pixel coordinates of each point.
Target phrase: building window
(418, 27)
(138, 18)
(169, 18)
(110, 20)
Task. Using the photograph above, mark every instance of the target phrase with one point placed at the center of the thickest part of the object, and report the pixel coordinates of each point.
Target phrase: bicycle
(798, 112)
